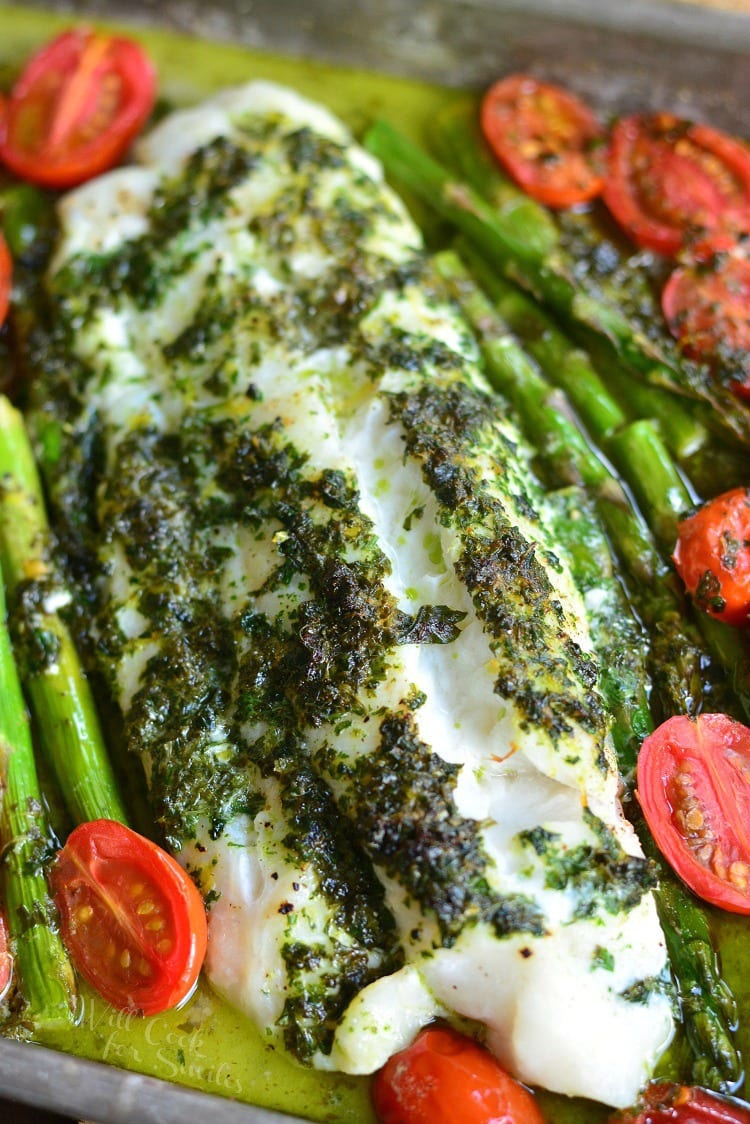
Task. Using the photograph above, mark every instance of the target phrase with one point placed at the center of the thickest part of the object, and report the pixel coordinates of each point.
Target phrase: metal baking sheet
(95, 1091)
(622, 54)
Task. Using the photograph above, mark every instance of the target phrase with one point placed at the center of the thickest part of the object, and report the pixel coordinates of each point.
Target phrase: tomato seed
(694, 819)
(85, 913)
(125, 958)
(144, 967)
(137, 889)
(164, 945)
(530, 149)
(145, 908)
(738, 875)
(156, 925)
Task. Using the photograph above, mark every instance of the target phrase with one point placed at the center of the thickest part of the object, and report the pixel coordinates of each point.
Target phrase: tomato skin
(712, 556)
(131, 918)
(6, 273)
(547, 139)
(76, 107)
(684, 1104)
(694, 788)
(674, 185)
(6, 960)
(707, 310)
(445, 1077)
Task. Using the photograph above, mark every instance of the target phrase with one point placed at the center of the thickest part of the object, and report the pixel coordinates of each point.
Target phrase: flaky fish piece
(323, 593)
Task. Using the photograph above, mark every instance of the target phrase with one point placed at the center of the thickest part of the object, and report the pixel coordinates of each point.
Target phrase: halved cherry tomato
(684, 1104)
(712, 556)
(6, 272)
(707, 309)
(676, 185)
(6, 960)
(547, 139)
(694, 788)
(76, 107)
(132, 919)
(445, 1077)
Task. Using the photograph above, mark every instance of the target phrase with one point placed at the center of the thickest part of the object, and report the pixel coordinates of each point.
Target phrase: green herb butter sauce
(208, 1045)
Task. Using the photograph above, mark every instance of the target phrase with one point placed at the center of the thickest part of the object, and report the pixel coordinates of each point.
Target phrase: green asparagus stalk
(545, 276)
(730, 648)
(684, 676)
(716, 467)
(708, 1006)
(709, 1009)
(43, 965)
(660, 491)
(58, 691)
(574, 371)
(619, 638)
(459, 144)
(663, 494)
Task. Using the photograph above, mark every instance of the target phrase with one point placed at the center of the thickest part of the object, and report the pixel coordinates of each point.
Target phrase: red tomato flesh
(6, 960)
(694, 788)
(712, 556)
(131, 918)
(445, 1077)
(674, 185)
(6, 272)
(708, 312)
(76, 108)
(546, 138)
(684, 1104)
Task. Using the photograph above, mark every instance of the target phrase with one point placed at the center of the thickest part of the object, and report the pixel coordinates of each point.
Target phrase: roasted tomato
(445, 1077)
(707, 308)
(684, 1104)
(694, 788)
(712, 556)
(132, 919)
(547, 139)
(674, 185)
(5, 279)
(6, 960)
(76, 108)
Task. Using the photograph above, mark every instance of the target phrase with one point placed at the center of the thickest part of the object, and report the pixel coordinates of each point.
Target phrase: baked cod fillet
(324, 595)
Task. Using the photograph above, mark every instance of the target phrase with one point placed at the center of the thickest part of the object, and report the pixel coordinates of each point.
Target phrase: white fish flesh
(324, 594)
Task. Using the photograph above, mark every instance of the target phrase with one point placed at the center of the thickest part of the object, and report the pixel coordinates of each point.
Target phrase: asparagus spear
(575, 372)
(619, 638)
(709, 1010)
(684, 676)
(546, 277)
(662, 492)
(58, 690)
(459, 144)
(48, 982)
(708, 1005)
(663, 496)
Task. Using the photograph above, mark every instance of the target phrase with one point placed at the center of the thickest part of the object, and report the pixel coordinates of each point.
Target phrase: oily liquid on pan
(206, 1044)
